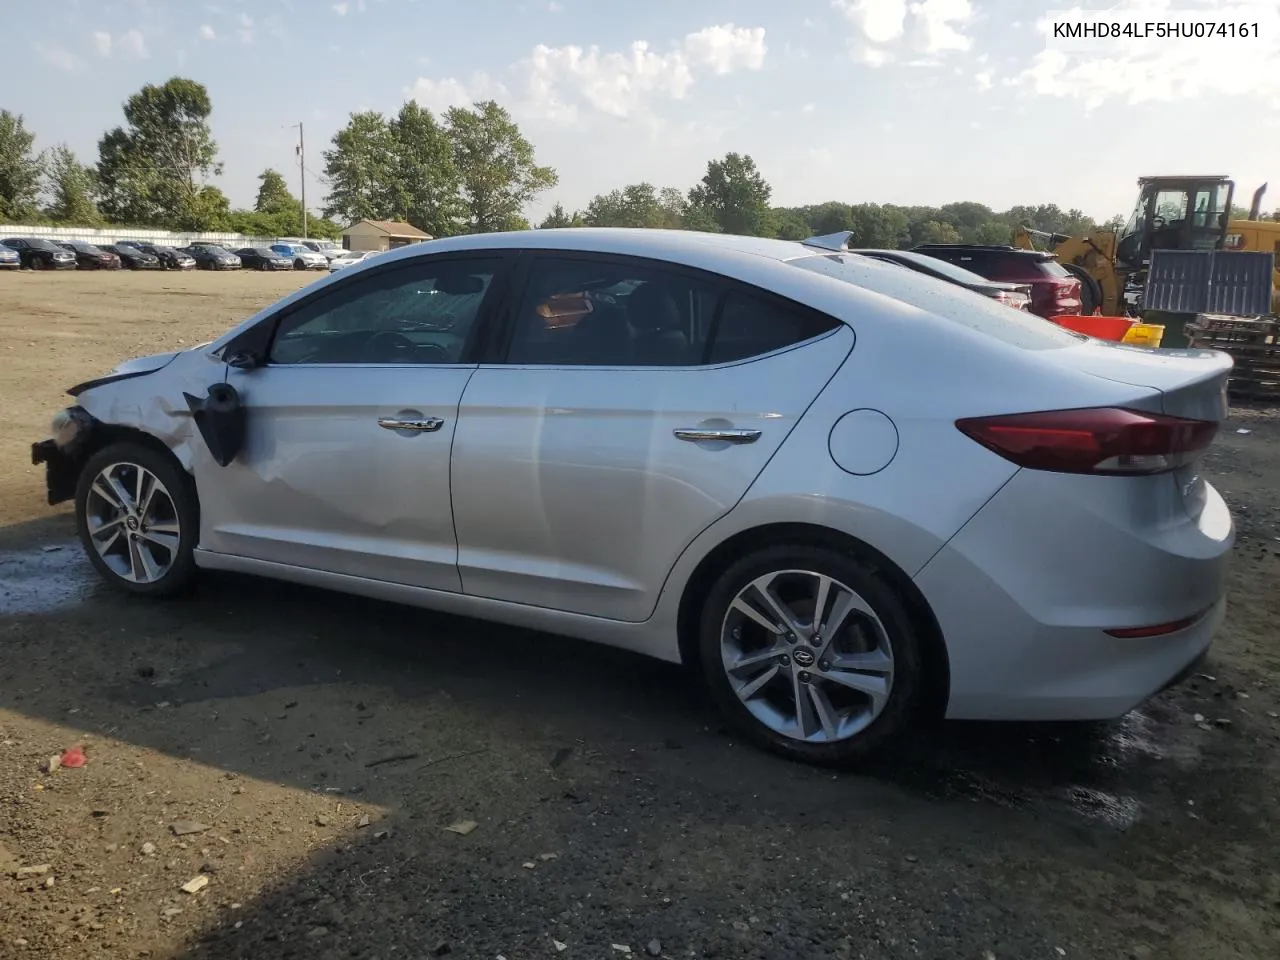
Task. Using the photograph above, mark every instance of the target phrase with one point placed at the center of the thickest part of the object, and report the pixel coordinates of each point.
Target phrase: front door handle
(425, 425)
(727, 436)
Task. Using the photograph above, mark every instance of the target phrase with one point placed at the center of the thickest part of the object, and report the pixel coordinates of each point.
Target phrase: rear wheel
(137, 517)
(810, 654)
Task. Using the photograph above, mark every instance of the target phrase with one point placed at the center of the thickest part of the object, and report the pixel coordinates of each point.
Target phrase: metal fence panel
(1210, 281)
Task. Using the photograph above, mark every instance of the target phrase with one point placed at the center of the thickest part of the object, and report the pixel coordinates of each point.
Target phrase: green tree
(733, 194)
(70, 186)
(496, 165)
(878, 226)
(153, 169)
(274, 195)
(636, 205)
(358, 168)
(423, 182)
(21, 168)
(1114, 224)
(993, 231)
(789, 224)
(937, 231)
(559, 218)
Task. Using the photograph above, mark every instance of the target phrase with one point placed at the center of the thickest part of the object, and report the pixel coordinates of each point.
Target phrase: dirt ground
(321, 746)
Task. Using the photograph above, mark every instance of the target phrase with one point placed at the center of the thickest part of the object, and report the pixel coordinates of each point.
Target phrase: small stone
(323, 821)
(442, 948)
(195, 884)
(546, 857)
(20, 942)
(363, 821)
(654, 947)
(148, 848)
(1060, 951)
(621, 948)
(382, 834)
(912, 858)
(1198, 717)
(1223, 722)
(183, 828)
(36, 871)
(1273, 715)
(462, 827)
(52, 764)
(317, 933)
(170, 912)
(48, 883)
(559, 947)
(529, 865)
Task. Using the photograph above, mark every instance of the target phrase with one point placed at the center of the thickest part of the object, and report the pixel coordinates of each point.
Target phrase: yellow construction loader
(1172, 213)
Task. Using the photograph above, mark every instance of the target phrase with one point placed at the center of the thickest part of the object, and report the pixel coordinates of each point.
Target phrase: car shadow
(612, 762)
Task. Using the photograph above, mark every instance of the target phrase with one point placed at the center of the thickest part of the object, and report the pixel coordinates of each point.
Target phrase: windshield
(1014, 327)
(45, 245)
(85, 248)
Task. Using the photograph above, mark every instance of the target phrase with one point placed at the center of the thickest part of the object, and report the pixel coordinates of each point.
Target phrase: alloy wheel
(133, 522)
(807, 656)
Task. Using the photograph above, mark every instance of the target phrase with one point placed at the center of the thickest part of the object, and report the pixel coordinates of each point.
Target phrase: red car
(91, 257)
(1054, 291)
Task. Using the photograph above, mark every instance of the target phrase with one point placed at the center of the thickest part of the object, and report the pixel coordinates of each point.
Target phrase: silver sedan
(847, 493)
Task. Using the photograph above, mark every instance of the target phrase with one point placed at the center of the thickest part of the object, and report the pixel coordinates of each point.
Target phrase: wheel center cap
(131, 523)
(803, 657)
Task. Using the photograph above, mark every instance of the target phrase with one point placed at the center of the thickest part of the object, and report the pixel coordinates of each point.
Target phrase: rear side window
(1014, 327)
(1002, 266)
(753, 325)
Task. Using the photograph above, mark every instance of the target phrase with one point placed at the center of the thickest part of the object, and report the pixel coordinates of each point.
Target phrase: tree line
(468, 170)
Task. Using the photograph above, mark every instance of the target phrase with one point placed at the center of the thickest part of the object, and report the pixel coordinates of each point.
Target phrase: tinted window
(1015, 327)
(751, 325)
(933, 265)
(419, 313)
(611, 313)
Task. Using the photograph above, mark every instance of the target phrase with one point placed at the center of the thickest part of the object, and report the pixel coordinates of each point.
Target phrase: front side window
(419, 313)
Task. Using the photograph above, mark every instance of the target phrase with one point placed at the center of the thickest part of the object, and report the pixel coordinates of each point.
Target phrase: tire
(172, 505)
(264, 265)
(867, 727)
(1090, 289)
(299, 265)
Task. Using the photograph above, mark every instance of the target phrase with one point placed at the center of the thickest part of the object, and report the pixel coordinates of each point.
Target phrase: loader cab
(1176, 213)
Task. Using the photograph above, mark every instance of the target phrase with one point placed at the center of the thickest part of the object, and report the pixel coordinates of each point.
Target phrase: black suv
(1055, 291)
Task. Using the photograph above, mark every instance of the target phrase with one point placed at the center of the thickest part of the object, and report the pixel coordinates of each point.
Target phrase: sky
(888, 101)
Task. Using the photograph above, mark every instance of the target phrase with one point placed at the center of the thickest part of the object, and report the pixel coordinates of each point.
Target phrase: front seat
(659, 338)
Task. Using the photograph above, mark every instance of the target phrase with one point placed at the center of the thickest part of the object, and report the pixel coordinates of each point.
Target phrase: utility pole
(302, 166)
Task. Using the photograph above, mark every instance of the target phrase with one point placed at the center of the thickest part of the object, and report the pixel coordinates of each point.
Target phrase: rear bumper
(61, 471)
(1025, 593)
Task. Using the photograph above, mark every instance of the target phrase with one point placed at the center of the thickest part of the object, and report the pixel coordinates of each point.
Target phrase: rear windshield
(995, 265)
(1014, 327)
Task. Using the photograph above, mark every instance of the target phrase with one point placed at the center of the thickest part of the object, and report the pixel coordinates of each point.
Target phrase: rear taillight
(1099, 440)
(1066, 290)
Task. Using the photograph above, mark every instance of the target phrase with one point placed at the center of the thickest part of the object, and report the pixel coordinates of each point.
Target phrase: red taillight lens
(1066, 290)
(1099, 440)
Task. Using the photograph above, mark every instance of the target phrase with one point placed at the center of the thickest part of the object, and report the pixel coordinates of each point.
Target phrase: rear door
(636, 404)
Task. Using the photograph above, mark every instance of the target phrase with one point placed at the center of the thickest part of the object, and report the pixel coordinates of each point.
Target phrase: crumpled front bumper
(61, 454)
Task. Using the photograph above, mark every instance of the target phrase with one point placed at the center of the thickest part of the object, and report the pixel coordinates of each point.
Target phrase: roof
(393, 228)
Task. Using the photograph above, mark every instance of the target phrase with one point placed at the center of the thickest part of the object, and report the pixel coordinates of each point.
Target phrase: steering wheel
(396, 344)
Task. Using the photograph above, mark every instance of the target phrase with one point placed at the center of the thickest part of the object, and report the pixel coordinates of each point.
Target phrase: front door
(345, 463)
(637, 405)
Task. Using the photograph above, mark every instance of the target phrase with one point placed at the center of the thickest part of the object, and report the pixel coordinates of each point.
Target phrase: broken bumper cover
(60, 453)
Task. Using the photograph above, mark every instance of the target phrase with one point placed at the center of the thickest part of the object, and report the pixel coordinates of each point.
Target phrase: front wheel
(810, 654)
(138, 520)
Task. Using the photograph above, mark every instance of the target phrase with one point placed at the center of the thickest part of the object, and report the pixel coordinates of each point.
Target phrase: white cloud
(102, 43)
(726, 48)
(341, 8)
(928, 26)
(983, 80)
(1140, 71)
(133, 44)
(57, 56)
(439, 95)
(807, 108)
(207, 32)
(554, 7)
(556, 83)
(246, 28)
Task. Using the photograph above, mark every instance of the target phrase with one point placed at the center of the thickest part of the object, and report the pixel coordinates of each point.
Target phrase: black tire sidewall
(904, 699)
(182, 573)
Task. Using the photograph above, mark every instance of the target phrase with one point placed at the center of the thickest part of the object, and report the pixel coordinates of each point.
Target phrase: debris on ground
(184, 828)
(36, 871)
(195, 884)
(560, 947)
(72, 758)
(148, 849)
(654, 947)
(622, 948)
(462, 827)
(52, 764)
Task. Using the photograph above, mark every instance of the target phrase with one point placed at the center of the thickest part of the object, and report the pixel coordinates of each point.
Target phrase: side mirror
(242, 359)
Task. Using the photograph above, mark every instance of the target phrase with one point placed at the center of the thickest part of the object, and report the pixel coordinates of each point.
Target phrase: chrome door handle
(729, 436)
(427, 425)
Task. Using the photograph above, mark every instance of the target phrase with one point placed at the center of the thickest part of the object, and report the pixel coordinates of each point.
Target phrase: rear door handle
(727, 436)
(425, 425)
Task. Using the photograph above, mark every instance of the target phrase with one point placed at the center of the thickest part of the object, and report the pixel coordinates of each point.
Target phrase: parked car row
(37, 253)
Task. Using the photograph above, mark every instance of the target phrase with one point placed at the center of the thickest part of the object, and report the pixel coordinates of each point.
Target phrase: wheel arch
(937, 678)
